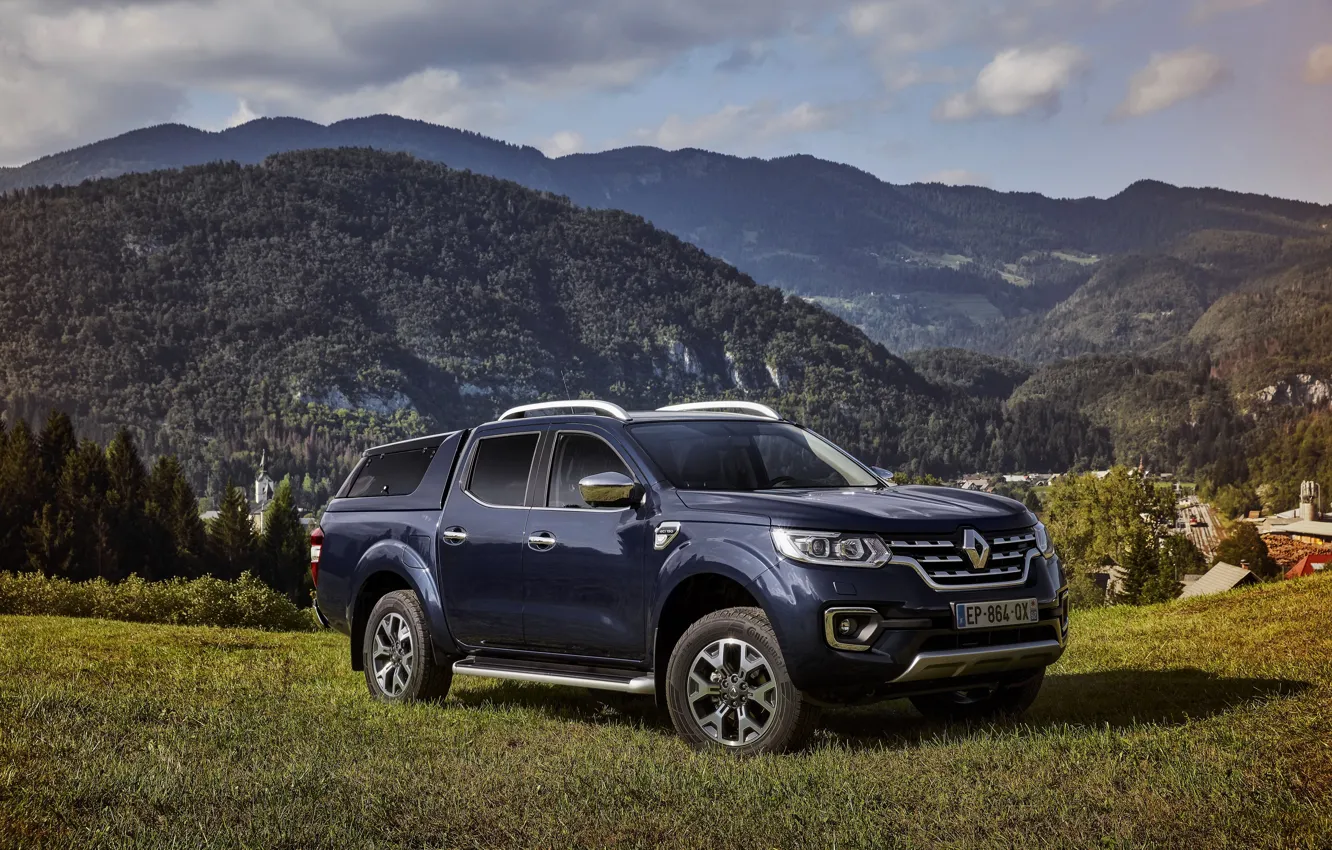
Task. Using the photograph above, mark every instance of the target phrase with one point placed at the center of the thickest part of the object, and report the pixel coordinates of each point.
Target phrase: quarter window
(576, 457)
(499, 473)
(393, 474)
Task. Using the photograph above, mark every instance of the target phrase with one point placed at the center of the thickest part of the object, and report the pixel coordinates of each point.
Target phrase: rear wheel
(727, 687)
(983, 703)
(398, 661)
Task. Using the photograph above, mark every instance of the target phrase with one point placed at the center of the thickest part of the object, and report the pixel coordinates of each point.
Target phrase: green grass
(1202, 724)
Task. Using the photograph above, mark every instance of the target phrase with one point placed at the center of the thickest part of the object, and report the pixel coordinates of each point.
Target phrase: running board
(639, 685)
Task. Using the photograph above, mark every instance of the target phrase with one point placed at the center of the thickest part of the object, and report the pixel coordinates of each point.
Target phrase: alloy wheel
(393, 654)
(732, 693)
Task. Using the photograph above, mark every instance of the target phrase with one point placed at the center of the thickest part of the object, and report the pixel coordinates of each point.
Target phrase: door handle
(455, 535)
(541, 541)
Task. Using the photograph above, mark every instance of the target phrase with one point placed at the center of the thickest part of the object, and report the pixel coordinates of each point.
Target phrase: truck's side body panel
(481, 575)
(585, 594)
(395, 535)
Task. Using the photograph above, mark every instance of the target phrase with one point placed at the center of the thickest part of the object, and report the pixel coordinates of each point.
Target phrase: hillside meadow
(1205, 723)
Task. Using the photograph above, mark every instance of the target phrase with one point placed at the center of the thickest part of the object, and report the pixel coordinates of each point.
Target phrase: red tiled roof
(1306, 566)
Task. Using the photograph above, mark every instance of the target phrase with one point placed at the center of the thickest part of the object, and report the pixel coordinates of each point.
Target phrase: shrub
(244, 603)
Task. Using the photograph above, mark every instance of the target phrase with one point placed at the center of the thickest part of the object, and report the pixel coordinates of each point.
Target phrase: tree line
(1124, 521)
(78, 510)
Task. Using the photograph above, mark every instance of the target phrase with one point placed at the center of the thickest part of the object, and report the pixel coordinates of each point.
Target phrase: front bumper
(915, 644)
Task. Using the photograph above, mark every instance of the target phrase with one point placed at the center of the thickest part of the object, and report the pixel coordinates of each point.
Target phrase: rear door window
(501, 469)
(393, 474)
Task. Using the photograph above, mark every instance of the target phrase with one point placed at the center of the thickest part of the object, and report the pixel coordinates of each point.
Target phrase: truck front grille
(946, 562)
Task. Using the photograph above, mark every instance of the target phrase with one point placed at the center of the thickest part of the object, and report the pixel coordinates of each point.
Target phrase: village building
(1219, 579)
(264, 488)
(1310, 565)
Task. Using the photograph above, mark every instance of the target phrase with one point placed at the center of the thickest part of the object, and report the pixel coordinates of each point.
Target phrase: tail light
(316, 549)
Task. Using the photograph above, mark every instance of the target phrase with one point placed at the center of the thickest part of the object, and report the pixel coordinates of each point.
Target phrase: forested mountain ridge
(326, 300)
(916, 266)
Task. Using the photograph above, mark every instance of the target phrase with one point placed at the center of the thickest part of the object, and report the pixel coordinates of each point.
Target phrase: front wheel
(727, 687)
(397, 655)
(982, 703)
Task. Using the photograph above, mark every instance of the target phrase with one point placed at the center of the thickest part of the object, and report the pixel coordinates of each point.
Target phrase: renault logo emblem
(977, 549)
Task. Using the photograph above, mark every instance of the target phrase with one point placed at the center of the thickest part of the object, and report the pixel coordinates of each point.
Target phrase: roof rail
(600, 406)
(733, 406)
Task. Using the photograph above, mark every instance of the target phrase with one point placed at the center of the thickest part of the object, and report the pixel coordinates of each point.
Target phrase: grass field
(1207, 724)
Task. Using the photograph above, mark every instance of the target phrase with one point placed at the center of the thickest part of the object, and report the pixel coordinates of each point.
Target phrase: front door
(481, 541)
(583, 566)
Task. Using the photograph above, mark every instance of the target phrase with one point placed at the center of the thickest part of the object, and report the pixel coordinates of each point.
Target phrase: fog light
(853, 629)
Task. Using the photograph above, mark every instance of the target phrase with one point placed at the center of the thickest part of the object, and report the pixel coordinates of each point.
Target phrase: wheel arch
(383, 571)
(689, 600)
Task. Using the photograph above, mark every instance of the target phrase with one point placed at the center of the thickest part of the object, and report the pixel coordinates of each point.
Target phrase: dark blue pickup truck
(738, 566)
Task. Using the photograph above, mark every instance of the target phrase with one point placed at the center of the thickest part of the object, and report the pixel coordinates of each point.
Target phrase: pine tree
(172, 505)
(286, 547)
(231, 535)
(21, 487)
(125, 507)
(81, 498)
(50, 542)
(55, 443)
(1140, 562)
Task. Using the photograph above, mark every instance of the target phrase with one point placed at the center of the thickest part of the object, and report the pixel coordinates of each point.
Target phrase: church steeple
(263, 485)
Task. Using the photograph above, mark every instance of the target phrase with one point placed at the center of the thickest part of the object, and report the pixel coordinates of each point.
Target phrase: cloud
(1205, 9)
(243, 114)
(743, 127)
(957, 177)
(894, 33)
(89, 67)
(1020, 81)
(1170, 78)
(1318, 67)
(433, 95)
(562, 143)
(744, 57)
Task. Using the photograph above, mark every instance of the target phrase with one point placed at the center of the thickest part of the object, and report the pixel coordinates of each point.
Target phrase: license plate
(987, 615)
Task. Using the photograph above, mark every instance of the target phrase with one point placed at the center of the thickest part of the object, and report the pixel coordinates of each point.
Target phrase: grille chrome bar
(942, 563)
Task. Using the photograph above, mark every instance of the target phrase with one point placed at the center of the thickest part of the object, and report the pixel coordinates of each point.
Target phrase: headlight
(1043, 543)
(830, 548)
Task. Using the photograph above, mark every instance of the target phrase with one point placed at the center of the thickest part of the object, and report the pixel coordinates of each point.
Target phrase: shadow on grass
(562, 703)
(1118, 699)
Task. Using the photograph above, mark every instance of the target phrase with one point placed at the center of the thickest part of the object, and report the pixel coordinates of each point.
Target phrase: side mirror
(611, 490)
(885, 474)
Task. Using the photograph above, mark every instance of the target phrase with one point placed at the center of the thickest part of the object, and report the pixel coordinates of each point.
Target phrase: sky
(1069, 98)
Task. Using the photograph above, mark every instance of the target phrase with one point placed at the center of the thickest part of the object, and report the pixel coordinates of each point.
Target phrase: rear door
(482, 538)
(583, 566)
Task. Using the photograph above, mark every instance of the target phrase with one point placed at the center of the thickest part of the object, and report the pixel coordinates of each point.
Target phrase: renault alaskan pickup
(738, 567)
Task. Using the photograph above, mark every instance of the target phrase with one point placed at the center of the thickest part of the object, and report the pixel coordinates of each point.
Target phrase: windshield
(717, 455)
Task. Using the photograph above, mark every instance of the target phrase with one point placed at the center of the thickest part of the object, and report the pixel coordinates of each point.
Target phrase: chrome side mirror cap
(611, 490)
(884, 474)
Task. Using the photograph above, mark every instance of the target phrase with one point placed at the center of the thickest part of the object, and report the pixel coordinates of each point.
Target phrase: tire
(759, 712)
(399, 662)
(1004, 701)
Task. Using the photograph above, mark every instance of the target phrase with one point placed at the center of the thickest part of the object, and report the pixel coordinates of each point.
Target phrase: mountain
(915, 266)
(325, 300)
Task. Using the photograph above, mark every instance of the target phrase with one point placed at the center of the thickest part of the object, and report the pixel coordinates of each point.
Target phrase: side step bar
(986, 659)
(639, 685)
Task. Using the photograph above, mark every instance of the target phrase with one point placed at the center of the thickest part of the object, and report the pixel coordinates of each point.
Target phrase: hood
(899, 509)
